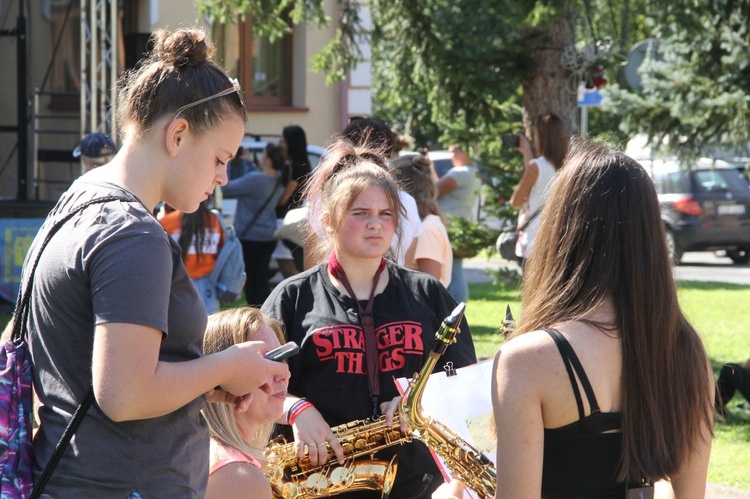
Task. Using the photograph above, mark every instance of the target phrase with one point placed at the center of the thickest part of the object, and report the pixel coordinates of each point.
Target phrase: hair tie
(183, 61)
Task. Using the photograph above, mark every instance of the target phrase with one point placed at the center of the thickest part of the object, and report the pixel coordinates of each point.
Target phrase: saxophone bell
(294, 478)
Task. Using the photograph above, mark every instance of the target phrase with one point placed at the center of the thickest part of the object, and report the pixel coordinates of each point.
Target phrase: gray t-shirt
(113, 262)
(462, 200)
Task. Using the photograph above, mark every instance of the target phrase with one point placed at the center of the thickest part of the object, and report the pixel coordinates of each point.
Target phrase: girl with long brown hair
(605, 384)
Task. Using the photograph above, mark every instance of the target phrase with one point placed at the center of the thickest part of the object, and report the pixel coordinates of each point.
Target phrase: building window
(263, 68)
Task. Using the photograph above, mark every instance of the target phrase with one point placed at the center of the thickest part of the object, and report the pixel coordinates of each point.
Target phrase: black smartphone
(283, 352)
(510, 140)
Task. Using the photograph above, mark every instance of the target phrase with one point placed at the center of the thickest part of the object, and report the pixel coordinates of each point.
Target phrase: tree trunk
(551, 89)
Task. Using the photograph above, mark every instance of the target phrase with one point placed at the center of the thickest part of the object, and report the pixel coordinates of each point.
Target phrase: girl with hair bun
(359, 319)
(113, 312)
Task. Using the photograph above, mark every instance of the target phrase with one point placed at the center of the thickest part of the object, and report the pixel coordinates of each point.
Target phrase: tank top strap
(573, 363)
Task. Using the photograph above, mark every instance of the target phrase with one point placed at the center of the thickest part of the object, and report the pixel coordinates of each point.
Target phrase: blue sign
(590, 98)
(16, 235)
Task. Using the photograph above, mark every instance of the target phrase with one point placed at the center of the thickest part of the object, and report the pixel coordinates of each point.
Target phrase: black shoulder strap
(263, 206)
(20, 319)
(571, 362)
(530, 219)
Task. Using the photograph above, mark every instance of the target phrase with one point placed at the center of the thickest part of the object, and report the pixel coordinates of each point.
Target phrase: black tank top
(581, 459)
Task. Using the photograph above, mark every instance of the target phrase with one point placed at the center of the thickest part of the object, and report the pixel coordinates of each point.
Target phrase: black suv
(704, 209)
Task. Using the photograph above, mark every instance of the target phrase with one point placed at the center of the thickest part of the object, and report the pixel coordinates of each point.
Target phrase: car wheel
(673, 248)
(739, 256)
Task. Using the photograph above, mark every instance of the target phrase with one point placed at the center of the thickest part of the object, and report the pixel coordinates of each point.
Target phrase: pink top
(221, 456)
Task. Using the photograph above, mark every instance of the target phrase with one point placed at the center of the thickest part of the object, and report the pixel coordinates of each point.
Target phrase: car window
(719, 181)
(671, 182)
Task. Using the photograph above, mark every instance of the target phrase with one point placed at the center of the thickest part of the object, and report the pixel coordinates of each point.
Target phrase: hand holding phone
(283, 352)
(511, 140)
(277, 354)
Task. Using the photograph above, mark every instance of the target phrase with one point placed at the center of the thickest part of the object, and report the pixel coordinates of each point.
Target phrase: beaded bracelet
(297, 408)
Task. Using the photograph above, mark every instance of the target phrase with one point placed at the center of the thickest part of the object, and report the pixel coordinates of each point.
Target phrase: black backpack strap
(62, 444)
(572, 363)
(20, 320)
(20, 312)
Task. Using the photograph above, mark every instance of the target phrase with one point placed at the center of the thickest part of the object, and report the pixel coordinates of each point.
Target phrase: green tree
(696, 90)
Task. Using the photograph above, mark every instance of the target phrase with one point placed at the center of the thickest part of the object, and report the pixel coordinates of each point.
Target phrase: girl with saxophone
(360, 320)
(605, 387)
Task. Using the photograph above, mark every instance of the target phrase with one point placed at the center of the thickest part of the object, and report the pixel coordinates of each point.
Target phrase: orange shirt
(212, 243)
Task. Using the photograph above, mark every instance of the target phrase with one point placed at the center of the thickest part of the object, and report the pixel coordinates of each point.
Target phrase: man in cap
(96, 149)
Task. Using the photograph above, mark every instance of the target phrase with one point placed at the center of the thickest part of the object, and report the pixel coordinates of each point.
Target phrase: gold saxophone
(465, 462)
(292, 477)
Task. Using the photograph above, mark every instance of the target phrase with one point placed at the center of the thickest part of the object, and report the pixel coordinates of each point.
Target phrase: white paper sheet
(462, 403)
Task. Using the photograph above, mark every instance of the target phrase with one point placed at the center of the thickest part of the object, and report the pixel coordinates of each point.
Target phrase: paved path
(696, 266)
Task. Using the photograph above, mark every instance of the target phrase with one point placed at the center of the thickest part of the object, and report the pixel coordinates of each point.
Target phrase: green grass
(720, 313)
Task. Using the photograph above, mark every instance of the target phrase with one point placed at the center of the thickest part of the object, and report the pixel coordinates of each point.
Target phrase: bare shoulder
(238, 480)
(526, 347)
(526, 353)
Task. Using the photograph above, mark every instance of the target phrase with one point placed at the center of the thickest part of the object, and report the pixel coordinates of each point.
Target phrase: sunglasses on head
(227, 91)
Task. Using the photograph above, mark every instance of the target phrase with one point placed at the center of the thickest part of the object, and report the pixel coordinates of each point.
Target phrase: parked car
(704, 209)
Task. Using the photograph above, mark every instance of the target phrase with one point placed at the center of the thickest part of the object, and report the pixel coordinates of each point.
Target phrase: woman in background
(200, 237)
(538, 174)
(257, 195)
(290, 256)
(240, 428)
(432, 253)
(604, 385)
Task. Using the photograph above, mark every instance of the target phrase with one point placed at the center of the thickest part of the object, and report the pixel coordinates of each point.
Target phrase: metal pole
(84, 68)
(584, 120)
(113, 70)
(22, 106)
(94, 48)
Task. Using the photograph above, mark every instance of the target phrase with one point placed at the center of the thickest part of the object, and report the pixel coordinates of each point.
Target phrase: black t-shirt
(330, 370)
